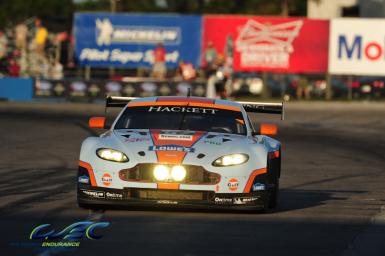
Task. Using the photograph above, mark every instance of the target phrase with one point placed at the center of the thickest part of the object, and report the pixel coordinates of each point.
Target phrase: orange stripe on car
(163, 185)
(90, 172)
(254, 174)
(186, 103)
(173, 157)
(185, 99)
(206, 105)
(170, 157)
(144, 104)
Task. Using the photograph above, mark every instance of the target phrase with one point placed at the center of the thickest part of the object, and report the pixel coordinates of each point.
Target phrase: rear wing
(118, 102)
(261, 107)
(251, 107)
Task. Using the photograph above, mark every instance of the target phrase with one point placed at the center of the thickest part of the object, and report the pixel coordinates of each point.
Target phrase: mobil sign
(357, 46)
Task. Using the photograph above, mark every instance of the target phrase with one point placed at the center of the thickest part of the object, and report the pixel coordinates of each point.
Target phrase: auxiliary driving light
(161, 172)
(178, 173)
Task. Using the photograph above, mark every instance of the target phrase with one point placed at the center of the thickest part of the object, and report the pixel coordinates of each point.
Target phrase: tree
(20, 10)
(58, 13)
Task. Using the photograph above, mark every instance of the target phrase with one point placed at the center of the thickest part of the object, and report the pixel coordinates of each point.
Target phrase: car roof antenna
(189, 92)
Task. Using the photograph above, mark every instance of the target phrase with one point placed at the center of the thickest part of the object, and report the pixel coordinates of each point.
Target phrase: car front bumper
(88, 195)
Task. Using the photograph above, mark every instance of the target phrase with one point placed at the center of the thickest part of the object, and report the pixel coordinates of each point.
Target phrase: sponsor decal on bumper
(236, 200)
(166, 202)
(124, 196)
(93, 193)
(113, 195)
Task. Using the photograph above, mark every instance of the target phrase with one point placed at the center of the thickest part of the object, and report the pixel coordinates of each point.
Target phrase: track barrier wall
(16, 89)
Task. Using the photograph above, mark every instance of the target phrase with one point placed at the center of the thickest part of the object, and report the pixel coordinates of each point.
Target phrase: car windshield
(182, 118)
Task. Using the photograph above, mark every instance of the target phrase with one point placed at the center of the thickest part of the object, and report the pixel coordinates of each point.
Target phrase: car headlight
(161, 172)
(111, 155)
(233, 159)
(175, 173)
(178, 173)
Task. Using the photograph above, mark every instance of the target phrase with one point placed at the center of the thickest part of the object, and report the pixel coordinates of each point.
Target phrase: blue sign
(16, 88)
(128, 40)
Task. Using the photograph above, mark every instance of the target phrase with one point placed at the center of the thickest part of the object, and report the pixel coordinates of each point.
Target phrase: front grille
(195, 174)
(152, 194)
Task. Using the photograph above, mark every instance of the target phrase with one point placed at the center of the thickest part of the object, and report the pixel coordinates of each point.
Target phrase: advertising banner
(357, 46)
(98, 89)
(128, 40)
(295, 45)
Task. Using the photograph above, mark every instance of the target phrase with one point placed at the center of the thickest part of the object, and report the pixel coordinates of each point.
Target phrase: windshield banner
(128, 40)
(294, 45)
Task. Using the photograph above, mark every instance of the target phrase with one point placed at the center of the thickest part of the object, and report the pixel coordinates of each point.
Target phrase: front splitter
(88, 195)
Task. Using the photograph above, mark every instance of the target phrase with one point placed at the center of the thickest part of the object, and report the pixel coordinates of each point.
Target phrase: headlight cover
(111, 155)
(230, 160)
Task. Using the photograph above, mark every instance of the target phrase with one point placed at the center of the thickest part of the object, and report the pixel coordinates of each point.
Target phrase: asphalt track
(332, 189)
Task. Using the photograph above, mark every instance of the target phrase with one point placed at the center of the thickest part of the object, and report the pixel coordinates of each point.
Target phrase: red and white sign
(269, 44)
(357, 46)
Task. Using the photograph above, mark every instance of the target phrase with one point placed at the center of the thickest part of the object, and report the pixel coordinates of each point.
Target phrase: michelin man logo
(105, 31)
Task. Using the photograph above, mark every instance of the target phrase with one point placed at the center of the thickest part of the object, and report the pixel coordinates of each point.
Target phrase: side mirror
(268, 129)
(97, 122)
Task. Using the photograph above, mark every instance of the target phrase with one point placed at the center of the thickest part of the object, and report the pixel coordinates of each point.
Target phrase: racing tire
(273, 196)
(265, 207)
(274, 169)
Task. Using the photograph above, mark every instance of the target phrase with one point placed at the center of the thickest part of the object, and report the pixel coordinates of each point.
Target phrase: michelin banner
(357, 46)
(128, 40)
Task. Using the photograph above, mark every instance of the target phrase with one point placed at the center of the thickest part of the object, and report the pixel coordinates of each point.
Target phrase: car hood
(174, 146)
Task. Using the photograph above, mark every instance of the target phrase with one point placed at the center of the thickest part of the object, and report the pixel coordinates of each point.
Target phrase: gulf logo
(106, 179)
(233, 184)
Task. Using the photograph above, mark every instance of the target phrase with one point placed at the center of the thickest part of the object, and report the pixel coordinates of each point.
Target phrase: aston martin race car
(187, 151)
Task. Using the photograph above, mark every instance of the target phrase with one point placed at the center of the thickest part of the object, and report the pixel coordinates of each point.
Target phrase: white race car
(181, 151)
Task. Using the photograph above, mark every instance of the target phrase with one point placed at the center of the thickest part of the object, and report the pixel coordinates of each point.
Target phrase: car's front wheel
(273, 196)
(274, 172)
